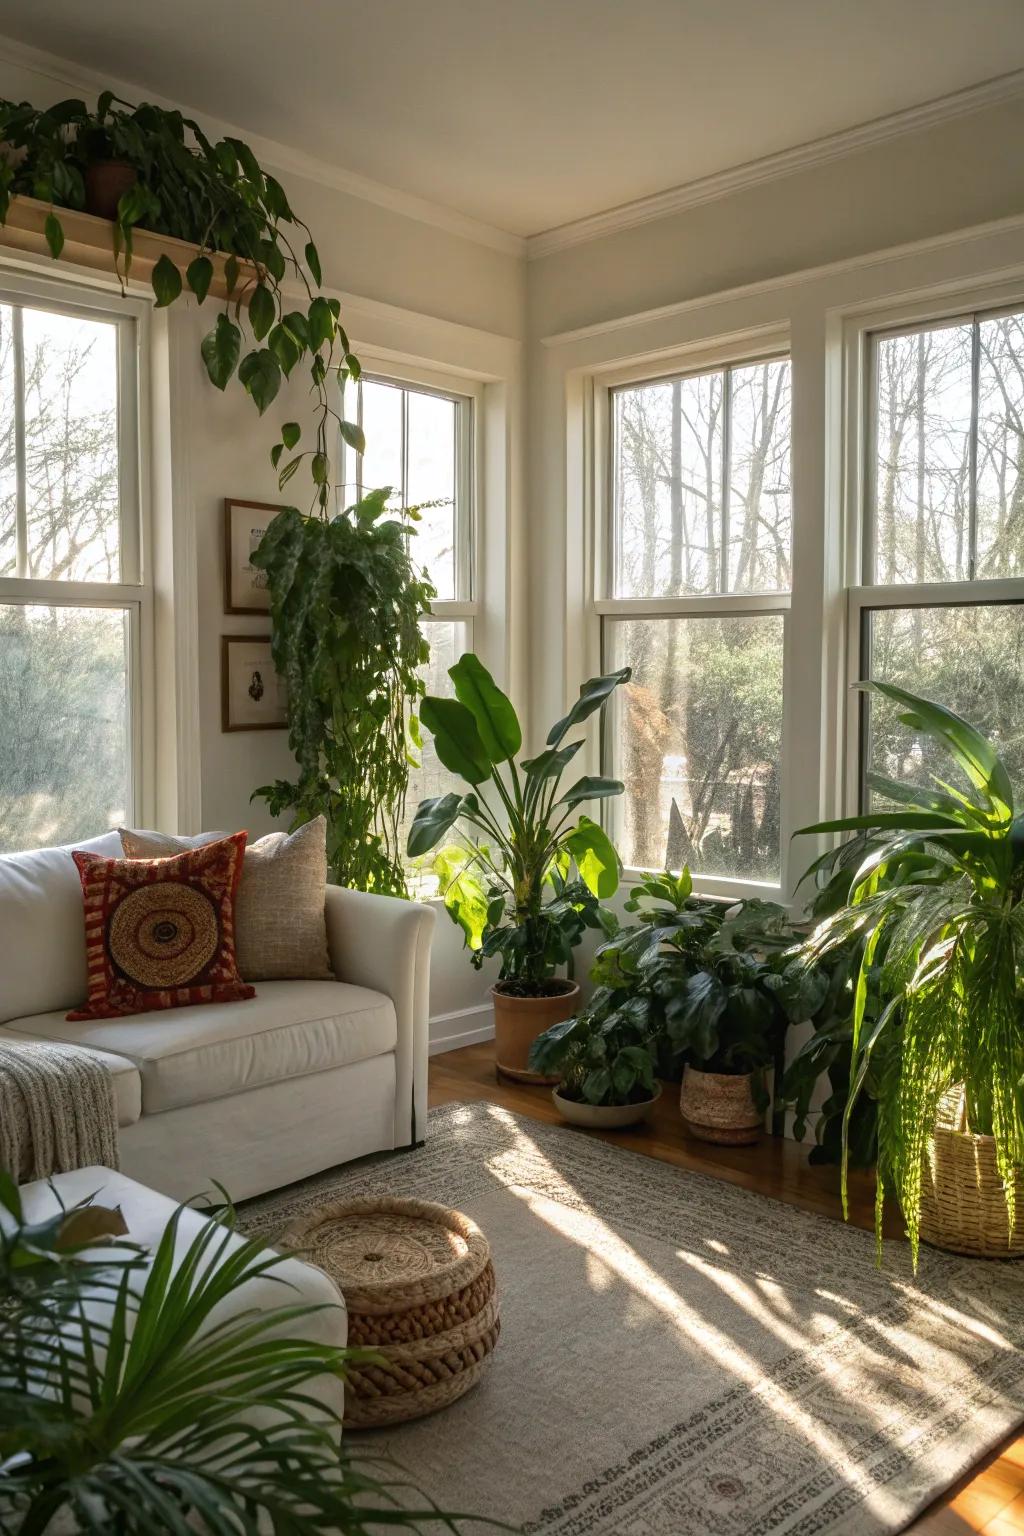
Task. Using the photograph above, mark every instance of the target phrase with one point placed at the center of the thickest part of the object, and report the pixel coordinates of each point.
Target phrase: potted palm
(525, 872)
(938, 903)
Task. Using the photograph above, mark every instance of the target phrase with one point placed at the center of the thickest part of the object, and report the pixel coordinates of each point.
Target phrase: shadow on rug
(680, 1357)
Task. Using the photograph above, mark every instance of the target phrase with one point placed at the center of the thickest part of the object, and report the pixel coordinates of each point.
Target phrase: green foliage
(936, 907)
(138, 1405)
(524, 879)
(601, 1058)
(218, 198)
(346, 604)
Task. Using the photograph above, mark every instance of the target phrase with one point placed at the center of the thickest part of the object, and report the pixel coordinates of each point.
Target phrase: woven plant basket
(963, 1203)
(419, 1287)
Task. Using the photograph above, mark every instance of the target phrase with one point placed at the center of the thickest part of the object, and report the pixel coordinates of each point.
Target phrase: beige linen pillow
(280, 927)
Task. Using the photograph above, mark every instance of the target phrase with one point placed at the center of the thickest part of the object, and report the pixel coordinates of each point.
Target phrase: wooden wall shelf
(89, 242)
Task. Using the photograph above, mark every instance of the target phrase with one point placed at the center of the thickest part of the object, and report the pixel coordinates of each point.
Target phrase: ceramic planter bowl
(720, 1107)
(604, 1117)
(106, 182)
(517, 1023)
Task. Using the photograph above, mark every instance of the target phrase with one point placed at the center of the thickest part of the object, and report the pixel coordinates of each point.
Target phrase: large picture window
(941, 608)
(419, 441)
(73, 600)
(698, 574)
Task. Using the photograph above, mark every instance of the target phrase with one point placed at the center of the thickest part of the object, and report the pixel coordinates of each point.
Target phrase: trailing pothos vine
(217, 197)
(346, 598)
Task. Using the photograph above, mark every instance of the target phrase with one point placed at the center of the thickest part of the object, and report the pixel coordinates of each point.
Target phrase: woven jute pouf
(963, 1202)
(418, 1283)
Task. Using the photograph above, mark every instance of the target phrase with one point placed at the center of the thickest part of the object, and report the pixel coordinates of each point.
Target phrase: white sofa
(252, 1094)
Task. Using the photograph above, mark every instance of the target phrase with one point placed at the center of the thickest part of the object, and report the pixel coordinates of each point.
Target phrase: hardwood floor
(990, 1501)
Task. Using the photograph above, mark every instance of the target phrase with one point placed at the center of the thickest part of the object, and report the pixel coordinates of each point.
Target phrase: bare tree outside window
(701, 507)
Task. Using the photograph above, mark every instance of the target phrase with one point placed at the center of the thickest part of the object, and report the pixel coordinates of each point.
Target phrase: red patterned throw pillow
(159, 933)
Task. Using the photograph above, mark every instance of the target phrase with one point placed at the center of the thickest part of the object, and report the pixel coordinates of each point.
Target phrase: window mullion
(723, 553)
(972, 468)
(21, 564)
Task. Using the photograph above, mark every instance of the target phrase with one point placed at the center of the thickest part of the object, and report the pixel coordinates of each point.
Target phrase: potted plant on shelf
(528, 872)
(603, 1059)
(938, 903)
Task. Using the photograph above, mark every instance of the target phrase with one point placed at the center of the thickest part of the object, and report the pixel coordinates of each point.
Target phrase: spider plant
(937, 901)
(131, 1405)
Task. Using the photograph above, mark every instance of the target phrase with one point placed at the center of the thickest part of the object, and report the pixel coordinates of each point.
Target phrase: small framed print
(245, 523)
(253, 697)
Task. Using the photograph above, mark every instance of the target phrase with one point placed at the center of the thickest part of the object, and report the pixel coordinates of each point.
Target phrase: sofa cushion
(127, 1082)
(42, 933)
(189, 1055)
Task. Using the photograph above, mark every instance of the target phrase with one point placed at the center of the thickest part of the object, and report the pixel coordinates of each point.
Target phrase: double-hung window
(693, 595)
(74, 602)
(939, 609)
(420, 442)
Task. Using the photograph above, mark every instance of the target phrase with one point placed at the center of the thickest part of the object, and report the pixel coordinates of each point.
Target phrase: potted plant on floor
(938, 901)
(603, 1058)
(528, 872)
(728, 1020)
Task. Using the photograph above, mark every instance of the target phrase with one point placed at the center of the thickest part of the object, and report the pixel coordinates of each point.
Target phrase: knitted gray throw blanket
(57, 1110)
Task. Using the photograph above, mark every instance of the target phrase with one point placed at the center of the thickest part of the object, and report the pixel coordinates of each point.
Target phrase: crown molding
(70, 75)
(1013, 225)
(991, 93)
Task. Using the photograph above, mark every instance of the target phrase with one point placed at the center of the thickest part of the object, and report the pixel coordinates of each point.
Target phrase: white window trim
(859, 596)
(134, 592)
(759, 345)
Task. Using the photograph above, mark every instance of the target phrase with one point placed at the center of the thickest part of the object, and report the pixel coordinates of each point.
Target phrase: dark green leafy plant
(346, 602)
(128, 1407)
(601, 1057)
(528, 874)
(937, 905)
(217, 197)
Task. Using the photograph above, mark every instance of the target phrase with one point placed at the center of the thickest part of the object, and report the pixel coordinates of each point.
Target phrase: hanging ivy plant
(217, 197)
(346, 604)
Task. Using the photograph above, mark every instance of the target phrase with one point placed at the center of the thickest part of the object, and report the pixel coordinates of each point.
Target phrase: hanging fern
(939, 899)
(346, 603)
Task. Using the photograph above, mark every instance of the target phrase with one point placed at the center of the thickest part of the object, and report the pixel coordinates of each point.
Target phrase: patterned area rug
(683, 1358)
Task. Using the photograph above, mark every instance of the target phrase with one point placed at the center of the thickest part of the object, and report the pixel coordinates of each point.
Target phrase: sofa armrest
(384, 943)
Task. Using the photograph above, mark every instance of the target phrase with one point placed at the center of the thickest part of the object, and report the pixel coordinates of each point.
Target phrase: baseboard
(450, 1031)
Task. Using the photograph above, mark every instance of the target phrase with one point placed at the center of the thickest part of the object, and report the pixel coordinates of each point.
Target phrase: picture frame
(253, 696)
(245, 522)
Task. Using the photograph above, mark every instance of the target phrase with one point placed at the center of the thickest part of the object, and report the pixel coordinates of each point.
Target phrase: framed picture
(245, 523)
(253, 697)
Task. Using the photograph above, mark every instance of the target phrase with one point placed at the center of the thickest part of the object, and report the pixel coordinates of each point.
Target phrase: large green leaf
(496, 720)
(433, 819)
(591, 788)
(199, 275)
(220, 349)
(463, 891)
(456, 738)
(260, 373)
(551, 762)
(262, 310)
(975, 755)
(166, 281)
(593, 694)
(595, 856)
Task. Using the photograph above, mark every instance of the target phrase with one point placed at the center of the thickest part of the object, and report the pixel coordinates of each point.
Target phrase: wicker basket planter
(418, 1283)
(963, 1204)
(720, 1107)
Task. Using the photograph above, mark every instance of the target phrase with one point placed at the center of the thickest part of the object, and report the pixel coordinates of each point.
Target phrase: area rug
(680, 1357)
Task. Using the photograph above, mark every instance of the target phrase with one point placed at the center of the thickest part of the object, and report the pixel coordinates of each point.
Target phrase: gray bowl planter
(604, 1117)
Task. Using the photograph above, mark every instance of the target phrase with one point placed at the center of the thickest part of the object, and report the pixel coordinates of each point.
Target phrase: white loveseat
(254, 1094)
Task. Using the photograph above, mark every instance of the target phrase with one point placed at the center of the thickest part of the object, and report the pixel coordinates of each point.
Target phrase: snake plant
(937, 901)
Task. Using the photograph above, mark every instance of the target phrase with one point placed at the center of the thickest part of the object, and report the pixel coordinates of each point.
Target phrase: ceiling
(528, 114)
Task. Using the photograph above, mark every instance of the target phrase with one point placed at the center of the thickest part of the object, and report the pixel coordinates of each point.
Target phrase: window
(696, 592)
(941, 610)
(73, 605)
(419, 441)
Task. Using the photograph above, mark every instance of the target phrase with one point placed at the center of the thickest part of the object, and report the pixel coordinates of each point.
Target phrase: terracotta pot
(517, 1023)
(106, 182)
(720, 1107)
(604, 1117)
